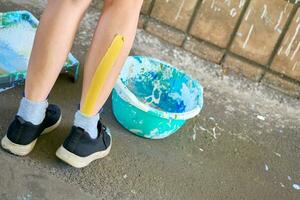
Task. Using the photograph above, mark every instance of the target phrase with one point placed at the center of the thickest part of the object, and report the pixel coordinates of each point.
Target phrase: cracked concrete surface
(245, 144)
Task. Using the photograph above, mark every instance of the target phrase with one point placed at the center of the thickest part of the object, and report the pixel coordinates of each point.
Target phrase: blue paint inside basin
(164, 89)
(157, 97)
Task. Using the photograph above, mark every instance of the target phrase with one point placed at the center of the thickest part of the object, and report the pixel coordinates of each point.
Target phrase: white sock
(88, 123)
(33, 112)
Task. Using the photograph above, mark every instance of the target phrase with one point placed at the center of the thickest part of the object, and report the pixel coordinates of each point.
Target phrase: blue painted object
(17, 31)
(152, 99)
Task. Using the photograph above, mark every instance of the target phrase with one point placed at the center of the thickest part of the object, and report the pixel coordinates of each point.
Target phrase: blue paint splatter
(138, 59)
(163, 88)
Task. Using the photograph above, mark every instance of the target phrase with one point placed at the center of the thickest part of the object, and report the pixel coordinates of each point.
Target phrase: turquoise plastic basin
(152, 99)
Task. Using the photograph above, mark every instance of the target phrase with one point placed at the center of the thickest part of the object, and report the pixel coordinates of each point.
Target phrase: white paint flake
(262, 118)
(266, 167)
(214, 133)
(296, 186)
(282, 185)
(233, 12)
(194, 136)
(277, 154)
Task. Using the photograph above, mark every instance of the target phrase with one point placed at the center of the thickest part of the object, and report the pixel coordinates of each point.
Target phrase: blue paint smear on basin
(154, 99)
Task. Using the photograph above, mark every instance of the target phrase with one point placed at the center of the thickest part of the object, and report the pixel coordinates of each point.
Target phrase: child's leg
(118, 17)
(52, 44)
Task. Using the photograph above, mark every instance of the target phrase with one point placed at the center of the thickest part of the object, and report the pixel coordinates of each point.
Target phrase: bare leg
(52, 43)
(118, 17)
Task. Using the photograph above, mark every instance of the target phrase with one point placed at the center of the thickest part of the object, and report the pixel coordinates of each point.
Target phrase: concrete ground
(245, 144)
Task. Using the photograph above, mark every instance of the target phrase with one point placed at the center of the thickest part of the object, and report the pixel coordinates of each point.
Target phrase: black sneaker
(22, 136)
(79, 149)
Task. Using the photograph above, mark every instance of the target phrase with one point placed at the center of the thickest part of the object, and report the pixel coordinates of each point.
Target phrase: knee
(134, 5)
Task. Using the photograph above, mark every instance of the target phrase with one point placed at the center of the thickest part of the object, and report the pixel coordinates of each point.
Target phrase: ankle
(31, 111)
(88, 123)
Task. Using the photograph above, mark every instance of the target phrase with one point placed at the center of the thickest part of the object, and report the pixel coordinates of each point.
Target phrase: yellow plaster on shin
(101, 74)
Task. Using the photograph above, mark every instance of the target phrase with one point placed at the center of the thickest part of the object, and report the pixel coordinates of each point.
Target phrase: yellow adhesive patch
(101, 74)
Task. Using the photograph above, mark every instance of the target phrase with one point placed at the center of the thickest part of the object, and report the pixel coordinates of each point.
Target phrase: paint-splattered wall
(259, 39)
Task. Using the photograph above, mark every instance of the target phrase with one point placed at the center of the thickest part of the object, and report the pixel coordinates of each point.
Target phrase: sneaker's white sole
(23, 150)
(80, 162)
